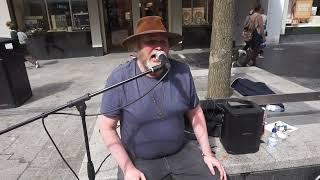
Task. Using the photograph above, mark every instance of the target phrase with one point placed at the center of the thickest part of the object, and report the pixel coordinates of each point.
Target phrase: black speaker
(242, 126)
(14, 82)
(213, 114)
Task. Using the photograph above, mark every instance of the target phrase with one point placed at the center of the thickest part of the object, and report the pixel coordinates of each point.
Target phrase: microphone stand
(81, 106)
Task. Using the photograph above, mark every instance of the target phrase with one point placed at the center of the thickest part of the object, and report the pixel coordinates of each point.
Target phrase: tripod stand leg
(90, 168)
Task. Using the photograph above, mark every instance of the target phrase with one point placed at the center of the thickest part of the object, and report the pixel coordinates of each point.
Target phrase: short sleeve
(194, 99)
(111, 99)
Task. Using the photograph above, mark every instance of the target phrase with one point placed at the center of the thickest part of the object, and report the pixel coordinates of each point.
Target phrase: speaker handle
(242, 101)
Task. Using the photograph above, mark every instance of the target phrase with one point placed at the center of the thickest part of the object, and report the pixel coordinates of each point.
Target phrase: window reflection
(31, 15)
(59, 14)
(155, 8)
(80, 15)
(119, 21)
(197, 12)
(52, 15)
(53, 27)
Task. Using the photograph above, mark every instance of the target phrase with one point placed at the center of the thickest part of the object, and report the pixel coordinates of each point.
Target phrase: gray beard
(148, 65)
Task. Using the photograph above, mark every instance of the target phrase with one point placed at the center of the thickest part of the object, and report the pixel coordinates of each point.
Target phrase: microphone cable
(62, 157)
(89, 115)
(64, 160)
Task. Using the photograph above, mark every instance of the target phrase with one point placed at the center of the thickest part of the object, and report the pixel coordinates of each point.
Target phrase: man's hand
(213, 162)
(134, 174)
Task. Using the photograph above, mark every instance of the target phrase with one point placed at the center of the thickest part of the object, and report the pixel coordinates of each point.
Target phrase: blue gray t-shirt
(153, 126)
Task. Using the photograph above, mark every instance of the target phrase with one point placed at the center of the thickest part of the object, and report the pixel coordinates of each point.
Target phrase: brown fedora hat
(152, 25)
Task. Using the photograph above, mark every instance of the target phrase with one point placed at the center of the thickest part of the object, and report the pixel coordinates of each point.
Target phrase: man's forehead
(154, 36)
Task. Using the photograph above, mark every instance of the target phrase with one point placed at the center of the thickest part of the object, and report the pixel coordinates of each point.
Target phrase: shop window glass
(52, 15)
(59, 15)
(31, 15)
(196, 12)
(155, 8)
(56, 28)
(118, 13)
(80, 15)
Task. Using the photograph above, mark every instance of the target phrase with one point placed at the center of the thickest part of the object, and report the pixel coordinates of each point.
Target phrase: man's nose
(159, 48)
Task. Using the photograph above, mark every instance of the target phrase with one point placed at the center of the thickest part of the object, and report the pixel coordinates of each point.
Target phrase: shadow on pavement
(195, 60)
(48, 62)
(48, 90)
(298, 60)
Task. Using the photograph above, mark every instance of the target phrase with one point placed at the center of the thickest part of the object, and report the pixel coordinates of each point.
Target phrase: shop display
(34, 24)
(196, 12)
(59, 22)
(303, 13)
(198, 16)
(187, 16)
(303, 9)
(53, 15)
(81, 21)
(194, 16)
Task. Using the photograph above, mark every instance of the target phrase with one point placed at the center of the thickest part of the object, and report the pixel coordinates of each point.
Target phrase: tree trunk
(221, 49)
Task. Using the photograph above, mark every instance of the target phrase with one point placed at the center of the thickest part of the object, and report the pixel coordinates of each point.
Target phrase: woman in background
(21, 37)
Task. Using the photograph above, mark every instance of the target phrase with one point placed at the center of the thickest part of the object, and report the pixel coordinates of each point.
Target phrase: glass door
(155, 8)
(118, 22)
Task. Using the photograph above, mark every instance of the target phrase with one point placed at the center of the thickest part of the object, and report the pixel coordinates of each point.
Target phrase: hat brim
(173, 38)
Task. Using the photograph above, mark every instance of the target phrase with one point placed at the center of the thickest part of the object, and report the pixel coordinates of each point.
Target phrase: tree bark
(221, 49)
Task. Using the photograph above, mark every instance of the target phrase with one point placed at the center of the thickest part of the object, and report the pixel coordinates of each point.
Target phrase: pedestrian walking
(247, 35)
(263, 45)
(22, 38)
(254, 33)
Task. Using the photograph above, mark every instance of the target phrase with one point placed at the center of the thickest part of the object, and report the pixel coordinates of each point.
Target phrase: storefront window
(155, 8)
(52, 15)
(68, 15)
(31, 15)
(56, 28)
(303, 13)
(119, 22)
(80, 15)
(59, 15)
(196, 26)
(196, 12)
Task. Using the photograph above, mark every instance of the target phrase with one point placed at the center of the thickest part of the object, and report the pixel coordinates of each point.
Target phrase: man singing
(152, 144)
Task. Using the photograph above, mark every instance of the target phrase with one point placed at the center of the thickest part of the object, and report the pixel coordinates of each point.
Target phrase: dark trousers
(27, 56)
(246, 47)
(187, 164)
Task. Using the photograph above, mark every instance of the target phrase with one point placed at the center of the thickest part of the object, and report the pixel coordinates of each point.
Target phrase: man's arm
(261, 27)
(196, 118)
(198, 122)
(111, 138)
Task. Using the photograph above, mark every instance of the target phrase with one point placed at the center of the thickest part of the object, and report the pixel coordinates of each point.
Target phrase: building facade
(74, 28)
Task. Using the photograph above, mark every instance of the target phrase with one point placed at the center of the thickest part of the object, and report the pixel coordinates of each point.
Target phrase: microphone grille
(160, 53)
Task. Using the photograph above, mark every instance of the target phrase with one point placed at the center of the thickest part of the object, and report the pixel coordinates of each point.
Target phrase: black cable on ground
(45, 128)
(102, 163)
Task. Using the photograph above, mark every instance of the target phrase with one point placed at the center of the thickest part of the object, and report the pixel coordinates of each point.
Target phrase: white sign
(8, 46)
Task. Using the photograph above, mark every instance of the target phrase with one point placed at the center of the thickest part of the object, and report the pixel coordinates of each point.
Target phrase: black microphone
(162, 57)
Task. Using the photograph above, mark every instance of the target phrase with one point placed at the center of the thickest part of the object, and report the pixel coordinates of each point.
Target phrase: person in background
(21, 37)
(247, 39)
(255, 26)
(263, 45)
(13, 32)
(149, 9)
(153, 144)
